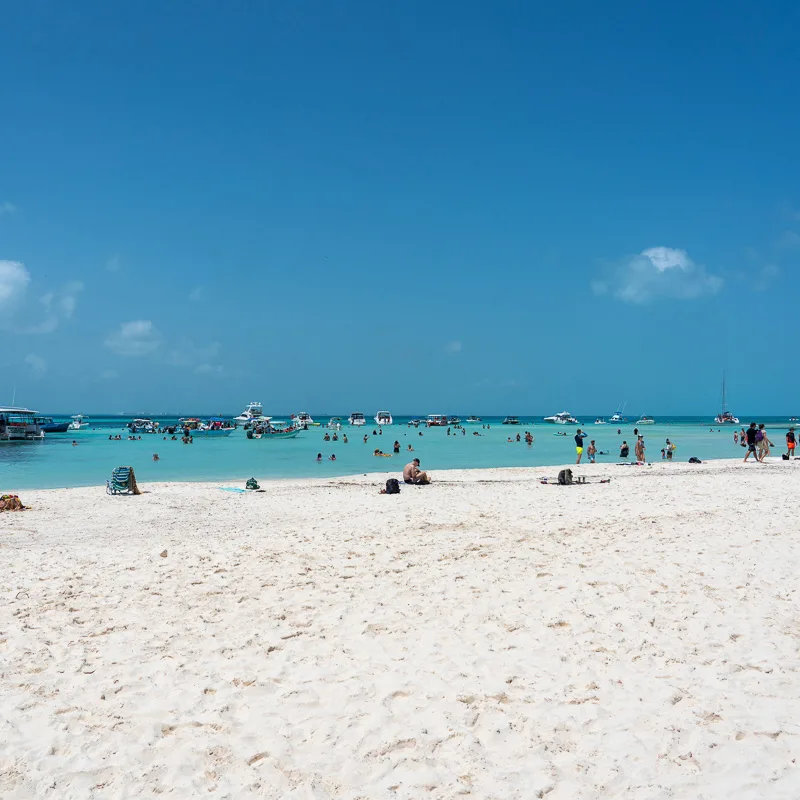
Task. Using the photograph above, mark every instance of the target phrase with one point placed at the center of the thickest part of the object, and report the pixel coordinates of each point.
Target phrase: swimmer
(155, 457)
(319, 458)
(332, 457)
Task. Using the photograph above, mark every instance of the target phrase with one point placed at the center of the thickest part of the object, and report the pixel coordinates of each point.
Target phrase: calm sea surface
(55, 462)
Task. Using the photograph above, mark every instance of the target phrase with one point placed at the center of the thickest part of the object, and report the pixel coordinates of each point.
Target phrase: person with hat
(413, 474)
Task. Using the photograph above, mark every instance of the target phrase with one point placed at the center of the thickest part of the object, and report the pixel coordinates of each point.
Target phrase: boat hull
(280, 435)
(212, 434)
(56, 427)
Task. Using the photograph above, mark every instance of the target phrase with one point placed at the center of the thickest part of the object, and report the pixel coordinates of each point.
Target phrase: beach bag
(565, 477)
(252, 483)
(695, 460)
(392, 486)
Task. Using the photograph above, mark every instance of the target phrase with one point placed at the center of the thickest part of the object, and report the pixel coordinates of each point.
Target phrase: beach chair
(122, 481)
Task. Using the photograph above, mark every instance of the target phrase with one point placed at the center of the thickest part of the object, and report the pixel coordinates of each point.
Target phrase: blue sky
(468, 207)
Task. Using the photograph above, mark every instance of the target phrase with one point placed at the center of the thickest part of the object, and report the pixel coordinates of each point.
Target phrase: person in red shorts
(791, 442)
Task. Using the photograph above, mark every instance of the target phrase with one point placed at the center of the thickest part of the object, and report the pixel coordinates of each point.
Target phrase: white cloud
(658, 272)
(134, 339)
(58, 306)
(7, 208)
(453, 347)
(14, 280)
(36, 363)
(114, 264)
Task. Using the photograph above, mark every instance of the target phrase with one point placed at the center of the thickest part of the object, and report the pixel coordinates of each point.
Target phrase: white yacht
(303, 420)
(20, 425)
(600, 421)
(564, 418)
(357, 419)
(383, 418)
(645, 420)
(473, 420)
(253, 413)
(78, 421)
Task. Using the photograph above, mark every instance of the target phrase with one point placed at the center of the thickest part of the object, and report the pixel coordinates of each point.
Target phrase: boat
(474, 420)
(511, 421)
(645, 420)
(383, 418)
(78, 421)
(211, 427)
(416, 422)
(564, 418)
(254, 412)
(725, 417)
(454, 420)
(357, 419)
(274, 429)
(617, 417)
(143, 425)
(335, 423)
(303, 420)
(48, 426)
(600, 421)
(437, 421)
(19, 425)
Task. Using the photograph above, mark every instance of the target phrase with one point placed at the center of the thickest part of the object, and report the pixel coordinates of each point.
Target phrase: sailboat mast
(724, 403)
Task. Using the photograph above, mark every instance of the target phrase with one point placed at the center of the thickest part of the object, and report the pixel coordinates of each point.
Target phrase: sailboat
(725, 416)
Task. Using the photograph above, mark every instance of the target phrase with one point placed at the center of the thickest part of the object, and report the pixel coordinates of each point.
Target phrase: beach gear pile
(11, 502)
(252, 484)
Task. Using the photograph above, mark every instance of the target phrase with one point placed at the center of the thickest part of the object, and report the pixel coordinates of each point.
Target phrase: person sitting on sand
(413, 474)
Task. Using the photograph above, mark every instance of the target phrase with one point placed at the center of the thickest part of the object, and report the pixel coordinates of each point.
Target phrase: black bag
(392, 486)
(695, 460)
(252, 483)
(565, 477)
(785, 456)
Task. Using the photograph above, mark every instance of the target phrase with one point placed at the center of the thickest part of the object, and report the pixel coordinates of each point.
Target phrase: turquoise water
(55, 462)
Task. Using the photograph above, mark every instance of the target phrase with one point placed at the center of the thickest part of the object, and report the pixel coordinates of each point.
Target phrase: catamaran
(725, 417)
(19, 425)
(383, 418)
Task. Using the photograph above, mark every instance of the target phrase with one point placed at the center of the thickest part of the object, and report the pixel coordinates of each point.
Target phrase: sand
(487, 636)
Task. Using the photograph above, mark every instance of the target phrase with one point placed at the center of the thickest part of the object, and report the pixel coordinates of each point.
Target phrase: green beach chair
(122, 481)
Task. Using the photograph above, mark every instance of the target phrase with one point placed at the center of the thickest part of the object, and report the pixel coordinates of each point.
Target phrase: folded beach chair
(123, 481)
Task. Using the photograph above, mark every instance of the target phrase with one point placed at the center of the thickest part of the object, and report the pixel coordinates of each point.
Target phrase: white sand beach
(486, 636)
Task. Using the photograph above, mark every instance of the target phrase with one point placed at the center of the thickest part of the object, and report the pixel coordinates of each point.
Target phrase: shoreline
(605, 469)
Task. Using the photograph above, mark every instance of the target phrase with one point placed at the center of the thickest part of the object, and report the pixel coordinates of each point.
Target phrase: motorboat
(725, 417)
(211, 427)
(303, 420)
(357, 419)
(274, 429)
(474, 420)
(600, 421)
(78, 421)
(645, 420)
(335, 423)
(19, 425)
(511, 421)
(564, 418)
(48, 426)
(383, 418)
(454, 420)
(617, 418)
(254, 412)
(416, 422)
(143, 425)
(437, 421)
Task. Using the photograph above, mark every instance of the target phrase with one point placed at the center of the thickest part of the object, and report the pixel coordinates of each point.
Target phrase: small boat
(48, 426)
(645, 420)
(335, 423)
(511, 421)
(212, 427)
(274, 429)
(383, 418)
(143, 425)
(357, 419)
(725, 417)
(416, 422)
(78, 421)
(19, 425)
(437, 421)
(303, 420)
(617, 418)
(600, 421)
(794, 419)
(474, 420)
(253, 413)
(564, 418)
(454, 420)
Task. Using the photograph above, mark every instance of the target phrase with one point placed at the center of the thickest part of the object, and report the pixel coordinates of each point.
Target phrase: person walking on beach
(579, 445)
(763, 443)
(791, 442)
(750, 437)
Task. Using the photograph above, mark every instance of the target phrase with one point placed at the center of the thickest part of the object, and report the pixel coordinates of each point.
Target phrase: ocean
(55, 462)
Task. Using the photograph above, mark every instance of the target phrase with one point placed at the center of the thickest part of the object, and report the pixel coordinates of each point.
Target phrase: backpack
(565, 477)
(252, 483)
(392, 486)
(695, 460)
(760, 436)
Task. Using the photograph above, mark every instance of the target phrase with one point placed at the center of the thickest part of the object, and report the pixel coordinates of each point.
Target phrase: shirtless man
(413, 474)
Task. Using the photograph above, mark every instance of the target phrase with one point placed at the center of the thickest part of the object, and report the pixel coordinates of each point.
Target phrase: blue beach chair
(123, 481)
